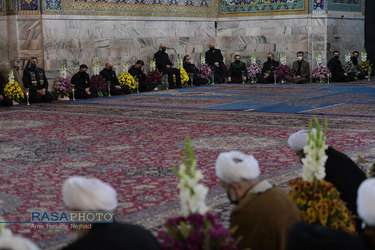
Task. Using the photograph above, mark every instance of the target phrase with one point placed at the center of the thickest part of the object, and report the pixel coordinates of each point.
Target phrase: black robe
(138, 73)
(36, 80)
(6, 102)
(109, 76)
(235, 72)
(212, 57)
(115, 236)
(337, 72)
(303, 236)
(81, 81)
(345, 175)
(191, 69)
(162, 60)
(269, 67)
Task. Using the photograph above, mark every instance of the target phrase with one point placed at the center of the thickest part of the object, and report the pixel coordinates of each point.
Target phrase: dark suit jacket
(305, 69)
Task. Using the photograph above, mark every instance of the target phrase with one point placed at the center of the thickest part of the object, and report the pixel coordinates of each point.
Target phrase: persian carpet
(133, 142)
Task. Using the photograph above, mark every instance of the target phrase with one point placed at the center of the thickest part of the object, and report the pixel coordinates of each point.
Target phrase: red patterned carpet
(134, 149)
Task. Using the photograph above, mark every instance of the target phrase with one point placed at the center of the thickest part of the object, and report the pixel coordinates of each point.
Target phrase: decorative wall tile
(345, 5)
(29, 5)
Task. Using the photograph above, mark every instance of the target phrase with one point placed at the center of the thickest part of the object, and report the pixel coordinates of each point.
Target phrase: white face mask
(299, 58)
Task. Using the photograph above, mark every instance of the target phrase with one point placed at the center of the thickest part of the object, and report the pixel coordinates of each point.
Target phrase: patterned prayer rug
(135, 147)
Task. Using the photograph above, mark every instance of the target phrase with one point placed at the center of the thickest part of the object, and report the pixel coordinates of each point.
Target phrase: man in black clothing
(81, 81)
(237, 71)
(354, 60)
(36, 81)
(137, 71)
(110, 77)
(4, 101)
(337, 72)
(269, 70)
(165, 66)
(191, 69)
(214, 59)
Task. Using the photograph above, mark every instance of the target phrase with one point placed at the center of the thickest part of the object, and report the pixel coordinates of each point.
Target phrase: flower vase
(62, 98)
(15, 102)
(100, 93)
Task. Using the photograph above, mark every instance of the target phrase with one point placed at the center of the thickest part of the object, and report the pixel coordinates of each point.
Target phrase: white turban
(298, 140)
(235, 166)
(89, 194)
(16, 243)
(366, 201)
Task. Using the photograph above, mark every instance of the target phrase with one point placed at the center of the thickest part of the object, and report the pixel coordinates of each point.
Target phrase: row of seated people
(35, 79)
(265, 217)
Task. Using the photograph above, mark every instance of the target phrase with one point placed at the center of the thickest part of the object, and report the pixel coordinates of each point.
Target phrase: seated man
(354, 60)
(268, 71)
(191, 69)
(137, 71)
(263, 213)
(4, 101)
(214, 59)
(110, 76)
(81, 81)
(366, 204)
(337, 72)
(36, 81)
(340, 170)
(237, 71)
(91, 194)
(300, 72)
(165, 66)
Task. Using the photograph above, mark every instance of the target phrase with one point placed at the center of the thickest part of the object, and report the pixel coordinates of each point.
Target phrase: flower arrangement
(349, 67)
(127, 79)
(315, 159)
(254, 69)
(203, 59)
(253, 59)
(205, 71)
(364, 66)
(282, 71)
(196, 229)
(152, 65)
(347, 57)
(99, 82)
(63, 71)
(62, 87)
(125, 67)
(283, 58)
(320, 203)
(95, 68)
(184, 76)
(371, 171)
(364, 55)
(320, 72)
(12, 89)
(318, 200)
(318, 58)
(180, 61)
(153, 76)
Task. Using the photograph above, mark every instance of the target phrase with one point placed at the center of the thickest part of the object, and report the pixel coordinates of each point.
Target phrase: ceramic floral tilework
(29, 5)
(345, 5)
(262, 7)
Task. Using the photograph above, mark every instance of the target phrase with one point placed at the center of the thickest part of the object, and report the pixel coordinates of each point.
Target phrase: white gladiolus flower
(253, 59)
(347, 57)
(11, 76)
(318, 58)
(153, 65)
(63, 70)
(364, 55)
(283, 58)
(203, 59)
(125, 67)
(95, 68)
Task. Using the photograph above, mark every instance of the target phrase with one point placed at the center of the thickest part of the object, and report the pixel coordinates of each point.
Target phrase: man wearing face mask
(354, 60)
(300, 72)
(165, 66)
(337, 72)
(110, 77)
(191, 69)
(237, 71)
(268, 70)
(81, 81)
(263, 214)
(214, 59)
(36, 81)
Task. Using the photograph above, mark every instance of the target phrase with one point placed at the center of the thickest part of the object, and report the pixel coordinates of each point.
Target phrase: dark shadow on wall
(369, 29)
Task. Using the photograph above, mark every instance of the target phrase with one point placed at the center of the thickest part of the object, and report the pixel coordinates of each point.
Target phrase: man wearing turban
(263, 214)
(91, 194)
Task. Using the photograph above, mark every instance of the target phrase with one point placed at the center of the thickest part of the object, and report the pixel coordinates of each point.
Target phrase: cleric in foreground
(91, 194)
(263, 214)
